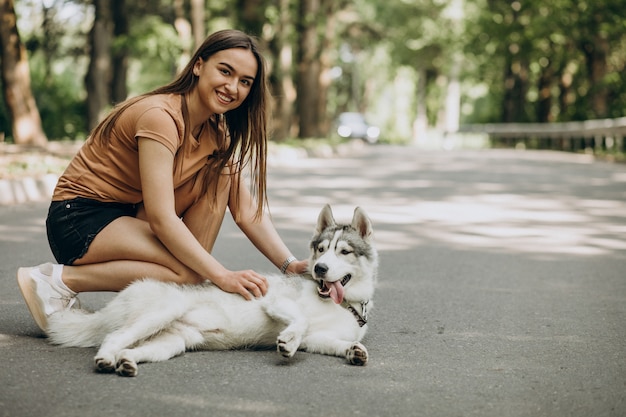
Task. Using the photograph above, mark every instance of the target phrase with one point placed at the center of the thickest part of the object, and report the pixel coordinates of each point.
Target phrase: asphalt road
(502, 293)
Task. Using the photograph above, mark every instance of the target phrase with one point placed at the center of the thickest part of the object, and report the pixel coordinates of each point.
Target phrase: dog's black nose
(321, 270)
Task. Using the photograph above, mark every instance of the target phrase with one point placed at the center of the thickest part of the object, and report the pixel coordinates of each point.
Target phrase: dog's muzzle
(333, 290)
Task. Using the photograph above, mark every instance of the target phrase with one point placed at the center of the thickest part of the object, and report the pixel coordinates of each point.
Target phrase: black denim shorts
(73, 224)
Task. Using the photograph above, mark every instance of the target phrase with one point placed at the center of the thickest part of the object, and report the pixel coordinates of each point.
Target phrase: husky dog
(324, 312)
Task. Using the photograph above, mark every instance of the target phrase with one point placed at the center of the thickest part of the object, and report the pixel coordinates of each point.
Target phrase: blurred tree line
(410, 65)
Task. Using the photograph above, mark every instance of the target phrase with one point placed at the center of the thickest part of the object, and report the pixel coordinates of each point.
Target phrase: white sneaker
(43, 297)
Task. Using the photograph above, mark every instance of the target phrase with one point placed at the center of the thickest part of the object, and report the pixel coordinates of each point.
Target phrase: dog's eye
(346, 252)
(320, 249)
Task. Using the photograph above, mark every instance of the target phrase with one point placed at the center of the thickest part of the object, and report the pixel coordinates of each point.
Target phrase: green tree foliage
(549, 61)
(155, 48)
(517, 60)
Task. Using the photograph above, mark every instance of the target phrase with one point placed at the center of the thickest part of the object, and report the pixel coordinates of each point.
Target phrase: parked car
(354, 125)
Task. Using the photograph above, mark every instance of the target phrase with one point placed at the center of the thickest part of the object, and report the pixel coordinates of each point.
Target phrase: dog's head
(343, 259)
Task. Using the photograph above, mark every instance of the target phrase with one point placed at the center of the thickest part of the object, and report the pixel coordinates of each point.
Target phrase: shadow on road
(540, 204)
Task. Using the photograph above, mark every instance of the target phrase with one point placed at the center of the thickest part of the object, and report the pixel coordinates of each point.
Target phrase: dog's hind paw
(357, 354)
(126, 367)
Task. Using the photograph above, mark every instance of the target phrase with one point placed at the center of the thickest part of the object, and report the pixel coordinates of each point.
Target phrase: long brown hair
(246, 125)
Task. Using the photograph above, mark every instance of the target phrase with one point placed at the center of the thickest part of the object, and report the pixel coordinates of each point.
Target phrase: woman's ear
(197, 66)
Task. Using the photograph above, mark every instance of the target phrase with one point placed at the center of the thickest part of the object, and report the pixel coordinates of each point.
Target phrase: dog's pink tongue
(336, 291)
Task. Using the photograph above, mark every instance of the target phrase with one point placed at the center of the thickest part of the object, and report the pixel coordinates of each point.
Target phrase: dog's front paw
(357, 354)
(126, 367)
(104, 365)
(287, 344)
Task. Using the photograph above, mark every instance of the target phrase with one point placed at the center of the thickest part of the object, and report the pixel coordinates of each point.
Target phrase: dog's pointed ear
(325, 219)
(362, 223)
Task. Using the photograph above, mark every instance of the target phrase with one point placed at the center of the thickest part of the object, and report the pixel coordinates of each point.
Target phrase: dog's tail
(76, 328)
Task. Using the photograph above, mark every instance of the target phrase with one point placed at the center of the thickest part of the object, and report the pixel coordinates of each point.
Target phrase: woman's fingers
(252, 284)
(247, 283)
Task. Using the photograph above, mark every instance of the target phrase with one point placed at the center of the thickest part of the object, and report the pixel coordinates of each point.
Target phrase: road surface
(502, 292)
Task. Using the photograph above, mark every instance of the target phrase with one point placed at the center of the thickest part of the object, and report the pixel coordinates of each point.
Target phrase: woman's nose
(231, 85)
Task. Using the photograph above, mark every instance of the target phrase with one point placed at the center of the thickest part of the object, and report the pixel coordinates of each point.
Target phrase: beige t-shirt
(109, 172)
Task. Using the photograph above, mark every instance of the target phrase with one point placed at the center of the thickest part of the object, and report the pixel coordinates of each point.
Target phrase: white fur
(152, 321)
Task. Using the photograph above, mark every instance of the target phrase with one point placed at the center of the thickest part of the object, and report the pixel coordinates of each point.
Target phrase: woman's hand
(245, 283)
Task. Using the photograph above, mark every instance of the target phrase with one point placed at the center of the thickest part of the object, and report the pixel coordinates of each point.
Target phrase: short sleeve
(157, 124)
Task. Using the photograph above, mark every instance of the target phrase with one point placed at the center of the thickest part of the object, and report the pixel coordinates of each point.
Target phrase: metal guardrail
(566, 130)
(605, 134)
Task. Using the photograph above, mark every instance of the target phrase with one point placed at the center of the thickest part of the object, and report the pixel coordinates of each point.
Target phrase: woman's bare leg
(124, 251)
(127, 249)
(205, 221)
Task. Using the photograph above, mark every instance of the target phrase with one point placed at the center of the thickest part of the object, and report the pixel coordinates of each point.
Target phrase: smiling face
(224, 81)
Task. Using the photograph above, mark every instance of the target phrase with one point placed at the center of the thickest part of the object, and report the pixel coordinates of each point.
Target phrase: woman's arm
(156, 164)
(262, 233)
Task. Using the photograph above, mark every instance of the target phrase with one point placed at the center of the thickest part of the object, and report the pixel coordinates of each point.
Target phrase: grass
(23, 161)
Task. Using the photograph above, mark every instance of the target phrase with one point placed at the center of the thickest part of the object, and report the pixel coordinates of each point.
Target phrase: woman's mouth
(224, 99)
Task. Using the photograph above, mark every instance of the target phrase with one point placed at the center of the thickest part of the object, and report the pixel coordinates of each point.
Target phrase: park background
(416, 68)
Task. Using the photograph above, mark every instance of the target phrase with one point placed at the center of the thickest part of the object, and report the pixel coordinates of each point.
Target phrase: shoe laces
(66, 300)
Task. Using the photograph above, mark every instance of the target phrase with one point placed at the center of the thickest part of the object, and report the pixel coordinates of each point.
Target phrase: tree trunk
(98, 78)
(308, 69)
(119, 89)
(544, 87)
(515, 89)
(198, 26)
(16, 89)
(284, 91)
(596, 53)
(452, 106)
(184, 30)
(325, 62)
(251, 15)
(420, 126)
(566, 96)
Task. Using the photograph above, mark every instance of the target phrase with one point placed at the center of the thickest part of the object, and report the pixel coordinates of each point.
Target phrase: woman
(146, 194)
